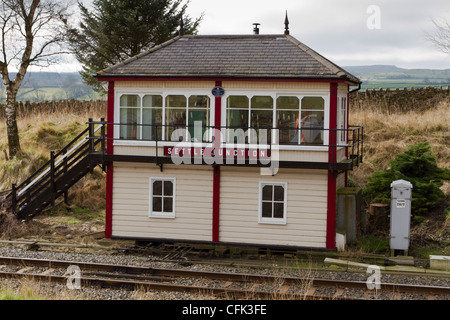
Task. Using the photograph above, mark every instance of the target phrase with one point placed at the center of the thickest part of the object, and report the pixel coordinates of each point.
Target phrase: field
(388, 131)
(41, 131)
(388, 76)
(49, 86)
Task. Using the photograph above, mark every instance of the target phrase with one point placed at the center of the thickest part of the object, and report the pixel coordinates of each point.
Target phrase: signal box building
(228, 139)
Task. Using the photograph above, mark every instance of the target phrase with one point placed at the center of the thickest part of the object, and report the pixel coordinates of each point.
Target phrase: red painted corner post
(109, 171)
(331, 190)
(216, 171)
(216, 204)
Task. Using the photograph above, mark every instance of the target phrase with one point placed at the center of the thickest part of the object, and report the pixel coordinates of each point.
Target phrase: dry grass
(30, 289)
(39, 134)
(389, 134)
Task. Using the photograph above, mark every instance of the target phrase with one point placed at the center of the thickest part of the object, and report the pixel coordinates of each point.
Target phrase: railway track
(217, 284)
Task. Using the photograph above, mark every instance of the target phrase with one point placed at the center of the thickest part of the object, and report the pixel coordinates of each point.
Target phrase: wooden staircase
(56, 176)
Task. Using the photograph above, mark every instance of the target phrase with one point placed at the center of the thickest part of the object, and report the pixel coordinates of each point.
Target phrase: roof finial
(286, 25)
(181, 26)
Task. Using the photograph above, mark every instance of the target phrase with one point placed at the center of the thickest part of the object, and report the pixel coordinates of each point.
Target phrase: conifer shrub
(418, 166)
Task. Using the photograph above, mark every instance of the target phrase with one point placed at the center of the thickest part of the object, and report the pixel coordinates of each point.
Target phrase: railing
(47, 175)
(88, 149)
(267, 138)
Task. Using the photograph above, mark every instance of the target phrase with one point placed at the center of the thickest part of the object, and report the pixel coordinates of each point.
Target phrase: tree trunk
(11, 123)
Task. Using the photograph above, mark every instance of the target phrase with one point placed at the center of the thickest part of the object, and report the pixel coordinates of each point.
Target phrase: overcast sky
(348, 32)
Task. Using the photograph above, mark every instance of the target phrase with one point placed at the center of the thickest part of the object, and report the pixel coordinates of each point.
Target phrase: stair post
(103, 135)
(91, 135)
(14, 199)
(66, 193)
(52, 177)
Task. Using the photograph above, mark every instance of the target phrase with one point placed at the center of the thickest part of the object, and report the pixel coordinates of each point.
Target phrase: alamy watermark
(374, 280)
(373, 22)
(74, 279)
(226, 146)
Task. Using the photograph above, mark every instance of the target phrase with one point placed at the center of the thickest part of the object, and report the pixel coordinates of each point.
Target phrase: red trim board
(168, 78)
(331, 190)
(109, 171)
(216, 173)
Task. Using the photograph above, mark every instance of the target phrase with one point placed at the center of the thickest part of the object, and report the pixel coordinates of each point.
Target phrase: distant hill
(39, 86)
(390, 76)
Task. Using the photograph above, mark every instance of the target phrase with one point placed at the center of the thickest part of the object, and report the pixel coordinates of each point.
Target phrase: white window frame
(157, 214)
(275, 95)
(164, 93)
(342, 111)
(263, 220)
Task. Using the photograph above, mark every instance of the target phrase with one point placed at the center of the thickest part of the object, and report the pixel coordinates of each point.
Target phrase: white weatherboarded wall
(306, 208)
(239, 194)
(193, 215)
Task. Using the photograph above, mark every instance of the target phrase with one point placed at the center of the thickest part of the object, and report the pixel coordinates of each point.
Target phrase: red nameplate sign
(217, 152)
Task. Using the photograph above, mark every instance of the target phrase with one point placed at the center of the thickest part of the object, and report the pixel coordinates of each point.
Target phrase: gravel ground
(61, 292)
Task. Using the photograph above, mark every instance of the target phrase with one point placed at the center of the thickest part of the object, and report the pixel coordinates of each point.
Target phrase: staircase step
(65, 180)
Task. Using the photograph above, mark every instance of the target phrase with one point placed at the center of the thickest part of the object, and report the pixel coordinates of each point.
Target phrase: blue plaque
(218, 92)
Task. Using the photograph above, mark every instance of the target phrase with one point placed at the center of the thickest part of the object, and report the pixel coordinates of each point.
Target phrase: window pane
(198, 102)
(198, 117)
(157, 188)
(291, 103)
(262, 119)
(312, 127)
(130, 100)
(150, 101)
(168, 204)
(267, 193)
(279, 193)
(175, 119)
(262, 102)
(176, 101)
(237, 102)
(237, 120)
(130, 117)
(157, 204)
(313, 103)
(278, 210)
(287, 123)
(130, 114)
(152, 116)
(261, 125)
(168, 188)
(267, 209)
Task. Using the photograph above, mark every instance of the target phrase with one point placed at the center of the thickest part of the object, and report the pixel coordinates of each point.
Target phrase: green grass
(377, 84)
(50, 94)
(24, 294)
(373, 245)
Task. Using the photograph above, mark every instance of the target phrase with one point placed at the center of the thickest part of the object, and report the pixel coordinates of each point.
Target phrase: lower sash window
(162, 197)
(273, 202)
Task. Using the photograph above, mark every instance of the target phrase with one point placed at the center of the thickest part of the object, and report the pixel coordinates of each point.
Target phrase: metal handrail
(57, 162)
(353, 143)
(156, 126)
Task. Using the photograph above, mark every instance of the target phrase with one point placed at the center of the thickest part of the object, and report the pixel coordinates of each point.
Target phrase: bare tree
(441, 38)
(31, 33)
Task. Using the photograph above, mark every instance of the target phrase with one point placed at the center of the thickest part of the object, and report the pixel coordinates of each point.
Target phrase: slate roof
(231, 56)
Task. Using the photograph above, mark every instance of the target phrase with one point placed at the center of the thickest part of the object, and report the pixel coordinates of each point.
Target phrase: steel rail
(132, 284)
(138, 273)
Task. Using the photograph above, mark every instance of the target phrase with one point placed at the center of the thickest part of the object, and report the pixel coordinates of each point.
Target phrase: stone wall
(27, 108)
(399, 100)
